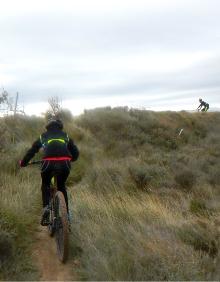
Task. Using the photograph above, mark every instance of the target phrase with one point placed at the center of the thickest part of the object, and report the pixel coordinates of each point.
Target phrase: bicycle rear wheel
(51, 227)
(61, 230)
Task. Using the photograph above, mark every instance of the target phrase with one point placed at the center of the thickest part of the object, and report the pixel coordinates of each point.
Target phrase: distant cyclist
(203, 106)
(59, 150)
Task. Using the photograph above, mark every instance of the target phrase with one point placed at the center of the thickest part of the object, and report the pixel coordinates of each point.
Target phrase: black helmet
(54, 123)
(200, 99)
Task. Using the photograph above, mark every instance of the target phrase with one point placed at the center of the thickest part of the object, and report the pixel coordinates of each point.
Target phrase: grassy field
(19, 202)
(145, 201)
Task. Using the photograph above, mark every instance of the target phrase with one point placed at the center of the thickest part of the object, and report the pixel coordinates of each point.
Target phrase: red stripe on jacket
(57, 159)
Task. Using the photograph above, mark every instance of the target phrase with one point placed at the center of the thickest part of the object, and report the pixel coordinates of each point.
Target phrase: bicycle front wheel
(61, 231)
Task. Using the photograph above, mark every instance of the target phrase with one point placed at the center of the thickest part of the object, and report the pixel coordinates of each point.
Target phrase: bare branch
(54, 105)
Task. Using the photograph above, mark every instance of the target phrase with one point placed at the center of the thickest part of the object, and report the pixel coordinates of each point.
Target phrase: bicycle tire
(51, 227)
(61, 230)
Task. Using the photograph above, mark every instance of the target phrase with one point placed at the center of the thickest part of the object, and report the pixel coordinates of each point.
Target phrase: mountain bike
(58, 225)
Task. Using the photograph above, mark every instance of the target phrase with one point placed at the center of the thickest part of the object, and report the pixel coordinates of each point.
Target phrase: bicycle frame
(58, 222)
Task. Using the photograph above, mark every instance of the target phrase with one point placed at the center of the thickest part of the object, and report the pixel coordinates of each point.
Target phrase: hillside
(145, 200)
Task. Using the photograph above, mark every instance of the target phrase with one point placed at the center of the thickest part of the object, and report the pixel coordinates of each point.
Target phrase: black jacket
(203, 104)
(59, 145)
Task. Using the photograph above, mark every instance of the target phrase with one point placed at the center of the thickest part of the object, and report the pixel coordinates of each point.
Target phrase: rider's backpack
(55, 144)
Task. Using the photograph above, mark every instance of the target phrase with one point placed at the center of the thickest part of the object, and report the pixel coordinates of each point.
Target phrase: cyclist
(203, 106)
(59, 150)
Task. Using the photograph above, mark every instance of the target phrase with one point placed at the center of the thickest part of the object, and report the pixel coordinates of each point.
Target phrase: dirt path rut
(44, 254)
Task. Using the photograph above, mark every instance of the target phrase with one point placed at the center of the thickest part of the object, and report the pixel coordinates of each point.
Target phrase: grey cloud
(70, 84)
(185, 28)
(43, 51)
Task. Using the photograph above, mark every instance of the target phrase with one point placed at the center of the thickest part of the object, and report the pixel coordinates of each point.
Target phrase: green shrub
(164, 137)
(141, 176)
(15, 254)
(105, 177)
(200, 237)
(6, 245)
(198, 207)
(65, 115)
(214, 176)
(185, 179)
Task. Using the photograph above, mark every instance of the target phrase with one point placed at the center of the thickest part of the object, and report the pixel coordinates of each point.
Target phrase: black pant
(48, 169)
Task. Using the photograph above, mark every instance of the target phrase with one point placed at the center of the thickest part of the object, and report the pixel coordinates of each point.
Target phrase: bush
(6, 246)
(141, 176)
(214, 176)
(198, 207)
(201, 237)
(164, 137)
(185, 179)
(106, 177)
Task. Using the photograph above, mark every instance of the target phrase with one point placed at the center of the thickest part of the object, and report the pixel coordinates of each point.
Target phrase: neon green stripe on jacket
(56, 139)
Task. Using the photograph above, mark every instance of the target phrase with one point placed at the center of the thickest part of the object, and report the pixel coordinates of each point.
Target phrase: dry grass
(128, 238)
(19, 206)
(145, 201)
(137, 213)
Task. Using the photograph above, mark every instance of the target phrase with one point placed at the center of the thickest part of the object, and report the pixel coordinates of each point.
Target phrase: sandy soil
(50, 268)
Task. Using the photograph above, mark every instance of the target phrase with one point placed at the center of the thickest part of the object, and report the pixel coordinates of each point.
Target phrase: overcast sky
(157, 54)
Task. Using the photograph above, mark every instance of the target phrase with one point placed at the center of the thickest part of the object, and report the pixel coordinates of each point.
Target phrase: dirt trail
(44, 254)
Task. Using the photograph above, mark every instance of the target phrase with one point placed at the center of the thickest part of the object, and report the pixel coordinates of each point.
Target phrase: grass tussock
(18, 222)
(132, 237)
(185, 179)
(19, 203)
